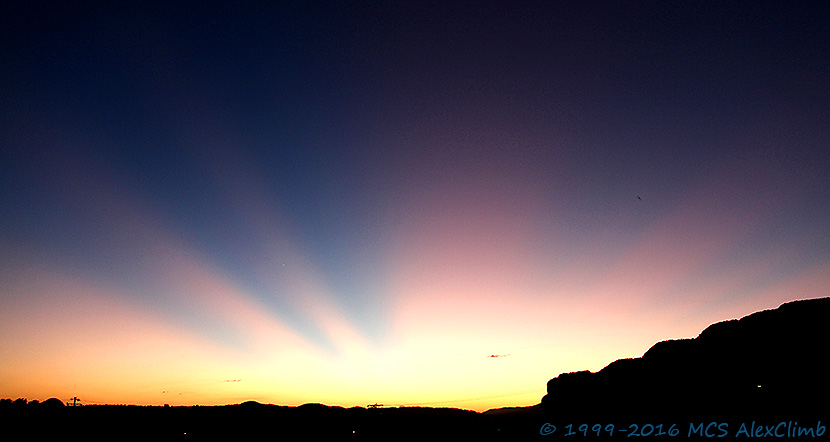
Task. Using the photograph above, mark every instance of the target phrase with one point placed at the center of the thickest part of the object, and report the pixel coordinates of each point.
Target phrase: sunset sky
(408, 203)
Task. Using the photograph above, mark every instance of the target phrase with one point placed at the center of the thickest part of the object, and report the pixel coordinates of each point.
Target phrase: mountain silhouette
(770, 363)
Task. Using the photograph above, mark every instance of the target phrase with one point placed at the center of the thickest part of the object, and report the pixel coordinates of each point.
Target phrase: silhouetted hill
(770, 363)
(245, 422)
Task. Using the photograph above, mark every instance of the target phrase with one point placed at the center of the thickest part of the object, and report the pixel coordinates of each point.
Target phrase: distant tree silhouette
(52, 402)
(20, 402)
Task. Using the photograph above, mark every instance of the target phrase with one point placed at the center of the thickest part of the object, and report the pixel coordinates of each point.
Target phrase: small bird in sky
(638, 197)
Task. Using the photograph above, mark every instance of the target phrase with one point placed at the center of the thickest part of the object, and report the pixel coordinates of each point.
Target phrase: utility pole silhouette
(75, 401)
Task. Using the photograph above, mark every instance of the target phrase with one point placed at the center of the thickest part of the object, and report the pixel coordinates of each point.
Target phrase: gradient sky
(360, 202)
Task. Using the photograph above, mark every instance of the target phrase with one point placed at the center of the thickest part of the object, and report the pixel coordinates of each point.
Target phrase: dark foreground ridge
(768, 367)
(764, 375)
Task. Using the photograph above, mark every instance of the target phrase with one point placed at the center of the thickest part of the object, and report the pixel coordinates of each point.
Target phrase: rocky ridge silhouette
(768, 363)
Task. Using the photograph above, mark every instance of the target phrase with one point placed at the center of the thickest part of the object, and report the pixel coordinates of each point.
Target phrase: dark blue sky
(382, 149)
